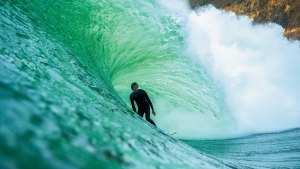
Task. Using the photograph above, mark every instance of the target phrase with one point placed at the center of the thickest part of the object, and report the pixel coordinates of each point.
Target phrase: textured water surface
(271, 150)
(65, 72)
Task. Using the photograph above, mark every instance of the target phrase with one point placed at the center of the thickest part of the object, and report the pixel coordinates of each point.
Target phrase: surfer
(143, 102)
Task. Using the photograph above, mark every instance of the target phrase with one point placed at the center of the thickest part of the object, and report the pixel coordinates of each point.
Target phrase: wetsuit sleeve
(149, 101)
(132, 104)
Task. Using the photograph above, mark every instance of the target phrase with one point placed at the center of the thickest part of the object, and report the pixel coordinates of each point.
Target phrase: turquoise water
(270, 150)
(65, 72)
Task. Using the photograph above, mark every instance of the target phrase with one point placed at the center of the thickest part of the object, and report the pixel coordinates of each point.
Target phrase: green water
(60, 63)
(119, 42)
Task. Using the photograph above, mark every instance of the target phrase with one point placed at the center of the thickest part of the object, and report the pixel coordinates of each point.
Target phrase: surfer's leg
(148, 117)
(141, 113)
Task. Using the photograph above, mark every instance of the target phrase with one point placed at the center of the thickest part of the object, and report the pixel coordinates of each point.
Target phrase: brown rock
(283, 12)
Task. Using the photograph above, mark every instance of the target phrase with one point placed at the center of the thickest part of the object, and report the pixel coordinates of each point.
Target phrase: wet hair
(133, 84)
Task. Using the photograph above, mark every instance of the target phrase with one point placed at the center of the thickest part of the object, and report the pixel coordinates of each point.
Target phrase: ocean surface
(268, 150)
(228, 87)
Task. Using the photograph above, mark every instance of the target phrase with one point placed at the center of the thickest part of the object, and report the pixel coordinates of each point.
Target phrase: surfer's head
(134, 86)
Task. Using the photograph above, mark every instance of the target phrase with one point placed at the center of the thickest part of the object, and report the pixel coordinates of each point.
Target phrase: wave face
(66, 69)
(58, 106)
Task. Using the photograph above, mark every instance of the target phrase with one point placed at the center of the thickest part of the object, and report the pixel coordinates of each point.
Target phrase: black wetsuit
(143, 102)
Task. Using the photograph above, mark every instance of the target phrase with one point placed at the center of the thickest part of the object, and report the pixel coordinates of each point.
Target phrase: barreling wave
(151, 42)
(66, 68)
(60, 61)
(120, 42)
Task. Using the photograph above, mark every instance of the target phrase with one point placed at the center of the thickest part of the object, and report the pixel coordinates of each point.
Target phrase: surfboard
(171, 134)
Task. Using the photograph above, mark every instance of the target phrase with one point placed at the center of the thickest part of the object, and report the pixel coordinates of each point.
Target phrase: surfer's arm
(149, 101)
(132, 104)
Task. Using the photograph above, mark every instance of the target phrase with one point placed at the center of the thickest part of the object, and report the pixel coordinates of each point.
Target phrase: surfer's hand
(153, 112)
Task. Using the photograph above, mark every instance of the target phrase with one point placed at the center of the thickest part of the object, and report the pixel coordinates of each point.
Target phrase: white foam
(258, 68)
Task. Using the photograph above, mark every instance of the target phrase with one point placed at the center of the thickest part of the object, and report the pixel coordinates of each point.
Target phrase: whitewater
(227, 86)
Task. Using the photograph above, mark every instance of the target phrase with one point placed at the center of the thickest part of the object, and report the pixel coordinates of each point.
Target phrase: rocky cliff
(283, 12)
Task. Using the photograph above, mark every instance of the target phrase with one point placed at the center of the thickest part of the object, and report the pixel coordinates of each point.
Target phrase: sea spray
(256, 66)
